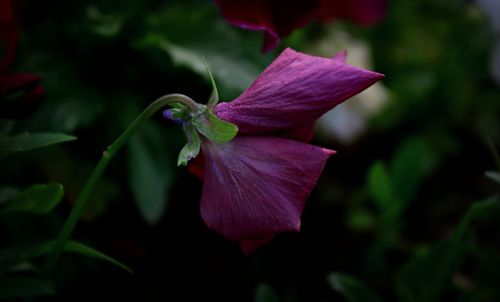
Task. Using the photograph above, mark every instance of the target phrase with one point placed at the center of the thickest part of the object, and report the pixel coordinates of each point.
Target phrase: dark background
(393, 194)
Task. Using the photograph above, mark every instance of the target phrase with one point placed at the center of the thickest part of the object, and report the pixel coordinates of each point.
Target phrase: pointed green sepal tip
(214, 97)
(213, 128)
(192, 147)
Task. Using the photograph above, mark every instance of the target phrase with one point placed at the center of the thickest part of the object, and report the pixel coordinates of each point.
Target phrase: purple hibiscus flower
(278, 18)
(255, 185)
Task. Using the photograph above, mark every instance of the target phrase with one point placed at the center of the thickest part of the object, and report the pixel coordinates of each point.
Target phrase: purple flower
(256, 184)
(279, 18)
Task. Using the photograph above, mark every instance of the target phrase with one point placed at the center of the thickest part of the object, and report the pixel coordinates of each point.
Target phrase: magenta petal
(294, 91)
(255, 187)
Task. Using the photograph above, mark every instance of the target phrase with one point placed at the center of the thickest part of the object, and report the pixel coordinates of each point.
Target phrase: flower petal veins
(294, 91)
(255, 187)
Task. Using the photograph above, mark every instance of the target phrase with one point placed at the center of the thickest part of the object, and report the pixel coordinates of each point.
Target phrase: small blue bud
(172, 114)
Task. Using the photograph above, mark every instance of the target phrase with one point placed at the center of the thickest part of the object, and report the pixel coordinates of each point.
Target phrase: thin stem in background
(76, 212)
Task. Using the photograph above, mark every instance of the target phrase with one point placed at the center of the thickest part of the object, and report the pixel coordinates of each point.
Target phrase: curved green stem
(74, 216)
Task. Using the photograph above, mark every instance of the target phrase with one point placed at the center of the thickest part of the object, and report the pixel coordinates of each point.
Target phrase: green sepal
(214, 97)
(213, 128)
(192, 147)
(181, 114)
(179, 111)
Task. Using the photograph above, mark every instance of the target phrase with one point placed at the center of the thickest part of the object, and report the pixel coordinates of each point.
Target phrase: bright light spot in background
(349, 119)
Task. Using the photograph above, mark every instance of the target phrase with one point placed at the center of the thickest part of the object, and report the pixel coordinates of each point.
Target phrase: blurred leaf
(380, 184)
(7, 193)
(352, 289)
(424, 279)
(213, 128)
(6, 126)
(234, 73)
(80, 248)
(408, 167)
(360, 219)
(37, 199)
(495, 176)
(106, 25)
(265, 293)
(23, 287)
(71, 111)
(233, 54)
(150, 175)
(494, 152)
(11, 256)
(192, 147)
(26, 141)
(382, 191)
(73, 247)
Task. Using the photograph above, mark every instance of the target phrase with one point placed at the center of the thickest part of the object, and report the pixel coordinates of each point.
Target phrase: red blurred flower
(256, 184)
(20, 93)
(8, 32)
(278, 18)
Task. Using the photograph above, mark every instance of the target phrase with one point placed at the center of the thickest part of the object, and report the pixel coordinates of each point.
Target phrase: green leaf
(236, 67)
(265, 293)
(26, 141)
(352, 289)
(192, 147)
(382, 190)
(380, 185)
(494, 152)
(495, 176)
(408, 168)
(23, 287)
(424, 279)
(37, 199)
(360, 219)
(80, 248)
(213, 128)
(150, 175)
(214, 97)
(106, 25)
(7, 193)
(73, 247)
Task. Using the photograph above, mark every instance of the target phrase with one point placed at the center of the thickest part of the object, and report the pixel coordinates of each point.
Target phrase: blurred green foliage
(389, 215)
